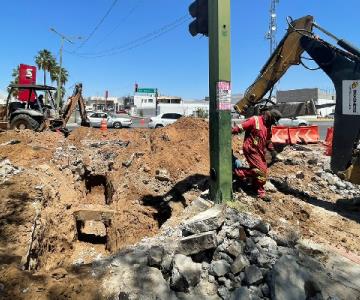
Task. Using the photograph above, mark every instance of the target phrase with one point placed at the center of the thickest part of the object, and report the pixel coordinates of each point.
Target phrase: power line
(137, 42)
(97, 26)
(131, 11)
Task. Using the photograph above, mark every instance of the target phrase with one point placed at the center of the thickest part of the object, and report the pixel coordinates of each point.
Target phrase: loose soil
(79, 199)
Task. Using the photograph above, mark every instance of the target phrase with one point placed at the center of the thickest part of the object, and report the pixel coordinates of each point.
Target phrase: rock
(185, 273)
(288, 280)
(241, 293)
(263, 227)
(226, 257)
(224, 292)
(219, 268)
(162, 175)
(300, 175)
(239, 264)
(253, 275)
(133, 282)
(198, 242)
(266, 242)
(146, 168)
(155, 256)
(207, 220)
(269, 187)
(265, 290)
(233, 233)
(235, 248)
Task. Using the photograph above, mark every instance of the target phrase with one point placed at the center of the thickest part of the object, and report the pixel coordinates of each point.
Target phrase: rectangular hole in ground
(93, 232)
(99, 189)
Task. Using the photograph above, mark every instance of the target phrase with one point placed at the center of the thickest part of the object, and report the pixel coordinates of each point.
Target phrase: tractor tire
(117, 125)
(23, 121)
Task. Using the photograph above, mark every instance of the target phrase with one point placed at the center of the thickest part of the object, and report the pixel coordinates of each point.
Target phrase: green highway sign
(146, 90)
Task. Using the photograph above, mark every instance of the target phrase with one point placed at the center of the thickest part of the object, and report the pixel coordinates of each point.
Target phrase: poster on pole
(223, 95)
(351, 97)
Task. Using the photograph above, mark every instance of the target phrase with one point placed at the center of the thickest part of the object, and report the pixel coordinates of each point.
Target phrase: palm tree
(45, 61)
(15, 76)
(54, 76)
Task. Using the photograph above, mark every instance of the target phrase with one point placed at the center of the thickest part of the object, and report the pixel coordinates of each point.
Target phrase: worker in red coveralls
(257, 139)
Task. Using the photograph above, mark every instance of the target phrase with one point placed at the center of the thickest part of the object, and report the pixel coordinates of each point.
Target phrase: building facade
(324, 100)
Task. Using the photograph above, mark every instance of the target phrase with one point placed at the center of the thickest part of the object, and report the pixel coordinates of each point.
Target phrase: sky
(147, 41)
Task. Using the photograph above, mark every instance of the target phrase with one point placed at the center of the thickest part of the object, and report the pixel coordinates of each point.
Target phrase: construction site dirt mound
(69, 202)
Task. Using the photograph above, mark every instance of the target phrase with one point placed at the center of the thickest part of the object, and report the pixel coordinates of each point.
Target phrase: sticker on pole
(223, 95)
(351, 97)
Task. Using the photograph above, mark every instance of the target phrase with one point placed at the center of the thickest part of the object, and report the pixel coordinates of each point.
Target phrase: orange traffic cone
(103, 125)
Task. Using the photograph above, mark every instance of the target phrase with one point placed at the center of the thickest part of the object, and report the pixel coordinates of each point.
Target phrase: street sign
(146, 90)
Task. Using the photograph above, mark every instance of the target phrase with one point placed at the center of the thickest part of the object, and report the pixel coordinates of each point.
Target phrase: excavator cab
(341, 64)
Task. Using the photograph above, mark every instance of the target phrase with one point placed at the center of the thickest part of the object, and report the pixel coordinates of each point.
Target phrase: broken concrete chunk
(185, 273)
(219, 268)
(198, 242)
(235, 248)
(241, 293)
(288, 280)
(207, 220)
(239, 264)
(253, 275)
(155, 256)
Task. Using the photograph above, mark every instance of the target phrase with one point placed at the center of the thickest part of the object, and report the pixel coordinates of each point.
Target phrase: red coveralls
(257, 139)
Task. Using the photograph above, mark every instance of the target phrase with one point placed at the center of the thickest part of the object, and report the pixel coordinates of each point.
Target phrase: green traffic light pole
(220, 101)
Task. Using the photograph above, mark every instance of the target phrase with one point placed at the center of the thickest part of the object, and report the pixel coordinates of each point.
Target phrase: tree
(54, 76)
(45, 61)
(15, 80)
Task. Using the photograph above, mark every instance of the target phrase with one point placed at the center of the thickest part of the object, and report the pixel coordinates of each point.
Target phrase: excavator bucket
(285, 55)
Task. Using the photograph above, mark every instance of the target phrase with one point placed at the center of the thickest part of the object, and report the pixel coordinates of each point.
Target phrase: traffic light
(199, 11)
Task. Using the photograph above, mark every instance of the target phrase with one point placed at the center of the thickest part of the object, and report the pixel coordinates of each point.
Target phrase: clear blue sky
(174, 62)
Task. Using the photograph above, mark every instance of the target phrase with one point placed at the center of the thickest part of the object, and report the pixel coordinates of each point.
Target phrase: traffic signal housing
(199, 10)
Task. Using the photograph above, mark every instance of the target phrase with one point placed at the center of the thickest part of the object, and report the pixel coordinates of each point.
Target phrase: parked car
(112, 120)
(163, 120)
(292, 122)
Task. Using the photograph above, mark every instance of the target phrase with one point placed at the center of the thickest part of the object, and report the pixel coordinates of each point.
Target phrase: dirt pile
(80, 199)
(67, 203)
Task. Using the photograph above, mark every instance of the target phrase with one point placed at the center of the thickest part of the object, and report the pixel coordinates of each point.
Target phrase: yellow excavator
(341, 64)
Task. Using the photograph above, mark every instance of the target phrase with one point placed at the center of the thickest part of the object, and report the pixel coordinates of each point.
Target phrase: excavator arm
(286, 54)
(75, 99)
(342, 66)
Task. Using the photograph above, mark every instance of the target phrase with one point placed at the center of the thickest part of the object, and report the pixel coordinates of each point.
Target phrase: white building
(99, 103)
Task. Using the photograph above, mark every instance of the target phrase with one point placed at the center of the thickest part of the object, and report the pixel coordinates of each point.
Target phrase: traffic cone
(103, 125)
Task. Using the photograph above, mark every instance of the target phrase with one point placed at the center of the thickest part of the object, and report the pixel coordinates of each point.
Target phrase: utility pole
(68, 39)
(212, 18)
(220, 101)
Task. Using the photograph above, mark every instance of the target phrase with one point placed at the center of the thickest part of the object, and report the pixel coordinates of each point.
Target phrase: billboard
(27, 75)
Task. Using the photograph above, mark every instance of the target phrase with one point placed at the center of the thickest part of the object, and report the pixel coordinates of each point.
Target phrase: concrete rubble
(253, 266)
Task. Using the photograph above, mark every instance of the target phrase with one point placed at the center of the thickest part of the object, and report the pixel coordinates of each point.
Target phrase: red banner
(27, 75)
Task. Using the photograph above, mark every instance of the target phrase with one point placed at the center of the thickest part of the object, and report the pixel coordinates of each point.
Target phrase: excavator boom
(286, 54)
(70, 107)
